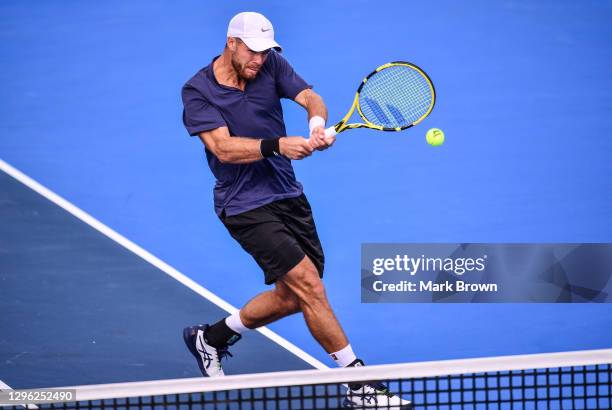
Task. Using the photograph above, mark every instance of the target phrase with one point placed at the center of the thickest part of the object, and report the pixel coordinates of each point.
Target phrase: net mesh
(552, 388)
(396, 96)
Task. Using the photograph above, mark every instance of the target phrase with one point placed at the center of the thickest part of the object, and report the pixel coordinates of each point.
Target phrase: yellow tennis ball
(435, 137)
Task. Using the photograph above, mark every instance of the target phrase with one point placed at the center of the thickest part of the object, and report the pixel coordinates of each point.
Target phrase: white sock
(344, 357)
(234, 323)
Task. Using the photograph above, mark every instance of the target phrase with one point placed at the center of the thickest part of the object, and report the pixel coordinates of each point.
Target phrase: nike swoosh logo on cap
(264, 30)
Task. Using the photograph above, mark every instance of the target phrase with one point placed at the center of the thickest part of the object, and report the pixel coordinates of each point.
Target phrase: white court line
(153, 260)
(4, 386)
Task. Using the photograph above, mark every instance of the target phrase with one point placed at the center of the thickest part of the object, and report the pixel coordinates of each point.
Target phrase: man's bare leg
(301, 289)
(304, 282)
(270, 306)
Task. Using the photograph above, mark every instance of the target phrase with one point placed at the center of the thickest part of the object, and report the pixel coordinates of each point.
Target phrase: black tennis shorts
(278, 236)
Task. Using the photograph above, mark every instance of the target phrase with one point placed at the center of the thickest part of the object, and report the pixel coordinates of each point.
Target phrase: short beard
(239, 69)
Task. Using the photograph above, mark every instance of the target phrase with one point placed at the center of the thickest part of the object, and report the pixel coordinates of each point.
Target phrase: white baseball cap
(254, 29)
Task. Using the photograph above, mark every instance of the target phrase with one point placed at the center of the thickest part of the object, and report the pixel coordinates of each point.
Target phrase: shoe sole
(350, 405)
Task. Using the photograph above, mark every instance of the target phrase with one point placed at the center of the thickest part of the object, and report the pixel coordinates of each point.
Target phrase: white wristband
(315, 122)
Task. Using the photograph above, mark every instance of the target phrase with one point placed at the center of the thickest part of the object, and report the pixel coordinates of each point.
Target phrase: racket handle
(330, 132)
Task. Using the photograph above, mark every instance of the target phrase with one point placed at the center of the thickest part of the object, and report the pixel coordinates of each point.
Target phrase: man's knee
(288, 301)
(292, 306)
(304, 281)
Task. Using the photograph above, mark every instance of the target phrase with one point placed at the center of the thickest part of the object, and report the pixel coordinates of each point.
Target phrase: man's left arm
(317, 116)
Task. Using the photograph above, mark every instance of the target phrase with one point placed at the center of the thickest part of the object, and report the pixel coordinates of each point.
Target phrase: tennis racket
(394, 97)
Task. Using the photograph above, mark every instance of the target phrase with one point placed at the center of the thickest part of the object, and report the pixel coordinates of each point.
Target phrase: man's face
(245, 61)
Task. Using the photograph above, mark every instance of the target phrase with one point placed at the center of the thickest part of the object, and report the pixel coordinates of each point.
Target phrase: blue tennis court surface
(79, 308)
(90, 108)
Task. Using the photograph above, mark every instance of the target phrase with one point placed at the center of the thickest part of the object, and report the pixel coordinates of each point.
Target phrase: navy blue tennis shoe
(207, 356)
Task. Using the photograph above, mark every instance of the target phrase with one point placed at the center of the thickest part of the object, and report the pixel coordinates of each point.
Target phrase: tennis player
(233, 105)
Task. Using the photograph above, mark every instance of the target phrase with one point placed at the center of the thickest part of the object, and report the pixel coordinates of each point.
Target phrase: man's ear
(231, 43)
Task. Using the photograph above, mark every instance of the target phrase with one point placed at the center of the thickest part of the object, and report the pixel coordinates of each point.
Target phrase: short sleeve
(288, 83)
(198, 114)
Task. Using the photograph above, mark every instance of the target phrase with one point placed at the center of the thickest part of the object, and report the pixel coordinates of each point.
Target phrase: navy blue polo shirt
(255, 112)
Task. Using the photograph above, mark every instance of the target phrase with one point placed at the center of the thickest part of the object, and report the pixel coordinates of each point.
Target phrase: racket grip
(330, 132)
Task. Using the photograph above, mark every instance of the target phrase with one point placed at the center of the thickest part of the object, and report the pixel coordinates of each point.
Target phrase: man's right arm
(242, 150)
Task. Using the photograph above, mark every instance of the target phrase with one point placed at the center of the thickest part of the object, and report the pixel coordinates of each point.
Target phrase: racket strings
(402, 91)
(394, 97)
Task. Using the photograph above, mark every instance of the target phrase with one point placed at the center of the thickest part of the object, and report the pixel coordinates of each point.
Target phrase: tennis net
(554, 381)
